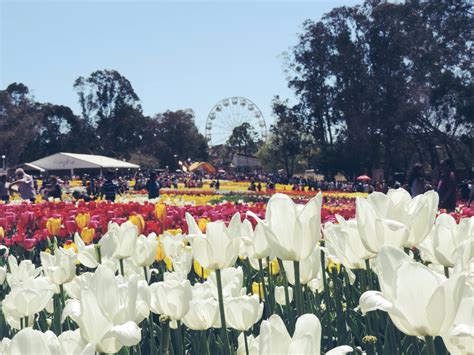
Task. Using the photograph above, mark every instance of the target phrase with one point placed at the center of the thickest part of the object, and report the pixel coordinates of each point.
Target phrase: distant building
(244, 163)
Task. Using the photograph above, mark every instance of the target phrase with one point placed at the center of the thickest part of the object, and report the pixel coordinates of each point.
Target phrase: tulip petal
(340, 350)
(127, 334)
(444, 303)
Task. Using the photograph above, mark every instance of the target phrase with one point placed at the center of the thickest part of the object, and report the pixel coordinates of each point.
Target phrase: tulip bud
(257, 289)
(160, 212)
(280, 297)
(202, 224)
(200, 271)
(87, 235)
(138, 221)
(274, 267)
(160, 252)
(53, 225)
(82, 220)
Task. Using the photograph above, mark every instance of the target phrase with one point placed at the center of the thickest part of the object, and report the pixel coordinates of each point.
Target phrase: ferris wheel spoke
(233, 112)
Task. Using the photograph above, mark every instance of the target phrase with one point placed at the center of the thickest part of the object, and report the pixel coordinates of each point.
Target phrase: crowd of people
(110, 186)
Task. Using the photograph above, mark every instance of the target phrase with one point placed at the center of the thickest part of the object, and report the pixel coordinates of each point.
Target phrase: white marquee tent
(72, 161)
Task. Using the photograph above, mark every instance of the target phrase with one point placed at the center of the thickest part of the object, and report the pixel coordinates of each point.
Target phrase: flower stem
(246, 344)
(262, 279)
(178, 340)
(430, 345)
(222, 313)
(298, 298)
(165, 338)
(287, 295)
(271, 288)
(446, 271)
(369, 274)
(99, 253)
(63, 303)
(121, 267)
(152, 336)
(326, 297)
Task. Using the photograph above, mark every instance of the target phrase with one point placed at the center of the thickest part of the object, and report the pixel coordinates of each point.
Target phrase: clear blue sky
(177, 54)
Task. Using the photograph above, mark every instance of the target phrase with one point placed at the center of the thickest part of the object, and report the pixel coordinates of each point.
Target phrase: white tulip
(171, 298)
(59, 268)
(86, 254)
(173, 244)
(460, 338)
(183, 262)
(21, 272)
(72, 344)
(255, 241)
(109, 309)
(30, 341)
(3, 274)
(29, 298)
(310, 268)
(124, 238)
(243, 312)
(253, 346)
(417, 214)
(218, 249)
(292, 230)
(232, 283)
(145, 250)
(280, 295)
(203, 314)
(97, 327)
(376, 232)
(274, 338)
(464, 258)
(73, 288)
(445, 238)
(419, 301)
(343, 241)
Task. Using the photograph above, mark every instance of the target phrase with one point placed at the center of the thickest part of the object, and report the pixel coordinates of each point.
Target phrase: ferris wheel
(230, 113)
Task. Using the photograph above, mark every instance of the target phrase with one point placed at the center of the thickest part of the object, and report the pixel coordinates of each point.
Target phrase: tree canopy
(380, 85)
(112, 123)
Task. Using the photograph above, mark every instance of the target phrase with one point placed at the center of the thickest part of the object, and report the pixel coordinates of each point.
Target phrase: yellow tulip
(87, 235)
(38, 198)
(332, 265)
(200, 271)
(137, 220)
(202, 224)
(257, 289)
(169, 263)
(82, 220)
(274, 267)
(174, 231)
(53, 225)
(160, 212)
(47, 250)
(72, 246)
(2, 233)
(160, 252)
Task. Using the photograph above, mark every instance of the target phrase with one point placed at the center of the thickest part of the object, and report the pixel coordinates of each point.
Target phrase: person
(416, 181)
(471, 193)
(26, 185)
(4, 195)
(447, 186)
(77, 195)
(218, 184)
(52, 188)
(109, 189)
(152, 186)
